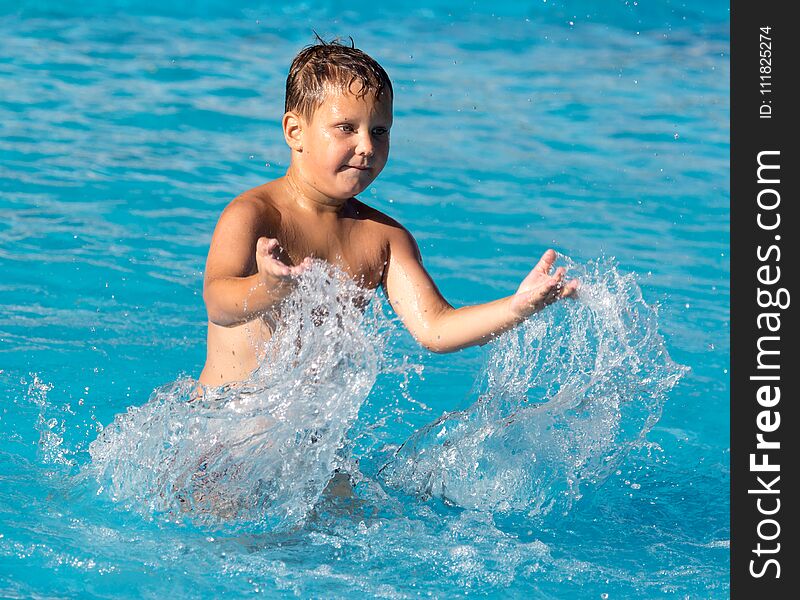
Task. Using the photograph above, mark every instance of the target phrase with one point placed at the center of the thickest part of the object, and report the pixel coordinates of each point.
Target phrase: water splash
(260, 452)
(50, 423)
(560, 402)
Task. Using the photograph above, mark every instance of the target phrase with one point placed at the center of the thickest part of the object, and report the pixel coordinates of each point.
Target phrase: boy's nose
(365, 146)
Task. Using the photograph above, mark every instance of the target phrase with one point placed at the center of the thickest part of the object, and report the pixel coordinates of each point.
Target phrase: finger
(305, 264)
(553, 294)
(549, 294)
(559, 288)
(571, 289)
(274, 266)
(542, 293)
(302, 267)
(546, 262)
(266, 245)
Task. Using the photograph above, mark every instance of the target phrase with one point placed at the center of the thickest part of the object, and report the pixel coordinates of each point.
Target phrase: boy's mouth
(360, 168)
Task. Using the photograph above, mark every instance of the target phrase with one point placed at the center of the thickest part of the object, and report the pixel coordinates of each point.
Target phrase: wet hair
(326, 66)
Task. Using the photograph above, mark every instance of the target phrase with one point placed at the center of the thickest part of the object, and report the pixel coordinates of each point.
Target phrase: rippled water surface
(585, 454)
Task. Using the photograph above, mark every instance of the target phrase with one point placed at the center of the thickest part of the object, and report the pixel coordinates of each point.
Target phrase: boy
(337, 121)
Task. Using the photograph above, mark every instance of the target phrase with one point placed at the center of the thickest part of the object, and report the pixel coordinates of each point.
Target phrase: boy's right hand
(270, 267)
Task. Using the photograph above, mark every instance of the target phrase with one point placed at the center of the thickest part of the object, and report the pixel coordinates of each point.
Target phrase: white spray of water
(258, 453)
(560, 402)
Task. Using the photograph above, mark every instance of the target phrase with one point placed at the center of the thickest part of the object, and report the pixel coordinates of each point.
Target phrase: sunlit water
(584, 454)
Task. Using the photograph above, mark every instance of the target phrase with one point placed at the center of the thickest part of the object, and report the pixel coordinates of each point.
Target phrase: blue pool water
(585, 455)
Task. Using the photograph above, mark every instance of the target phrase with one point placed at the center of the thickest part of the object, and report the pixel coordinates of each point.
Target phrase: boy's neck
(309, 199)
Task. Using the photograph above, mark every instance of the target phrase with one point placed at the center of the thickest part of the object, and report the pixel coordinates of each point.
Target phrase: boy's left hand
(540, 288)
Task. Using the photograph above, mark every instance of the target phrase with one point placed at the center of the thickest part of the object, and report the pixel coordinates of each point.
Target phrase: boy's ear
(293, 130)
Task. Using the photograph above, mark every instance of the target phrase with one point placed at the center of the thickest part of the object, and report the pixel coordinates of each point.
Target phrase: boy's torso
(356, 240)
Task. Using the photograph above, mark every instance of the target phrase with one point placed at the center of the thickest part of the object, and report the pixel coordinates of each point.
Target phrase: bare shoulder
(254, 211)
(388, 229)
(247, 217)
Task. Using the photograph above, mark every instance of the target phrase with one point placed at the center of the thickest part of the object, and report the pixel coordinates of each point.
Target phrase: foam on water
(560, 402)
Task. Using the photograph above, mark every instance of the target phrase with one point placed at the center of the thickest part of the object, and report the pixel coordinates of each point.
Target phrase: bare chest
(353, 246)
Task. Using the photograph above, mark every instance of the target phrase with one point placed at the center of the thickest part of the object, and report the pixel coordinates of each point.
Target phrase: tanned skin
(268, 235)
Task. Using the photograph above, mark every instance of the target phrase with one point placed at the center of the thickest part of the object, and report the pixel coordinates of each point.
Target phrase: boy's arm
(441, 328)
(244, 276)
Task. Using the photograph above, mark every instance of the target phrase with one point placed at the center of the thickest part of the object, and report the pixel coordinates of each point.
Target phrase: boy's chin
(349, 185)
(346, 192)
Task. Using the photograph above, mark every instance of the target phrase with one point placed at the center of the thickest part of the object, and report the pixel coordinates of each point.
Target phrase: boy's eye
(346, 128)
(380, 131)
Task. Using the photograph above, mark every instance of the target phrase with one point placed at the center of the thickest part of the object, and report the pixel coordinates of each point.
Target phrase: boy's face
(345, 144)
